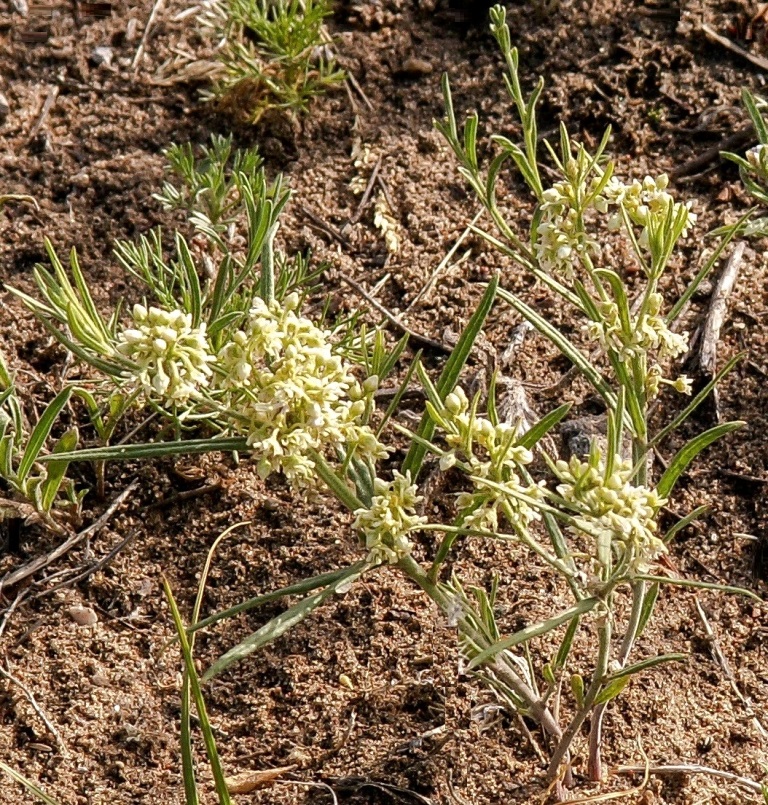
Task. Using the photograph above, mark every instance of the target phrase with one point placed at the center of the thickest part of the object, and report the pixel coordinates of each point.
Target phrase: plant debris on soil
(368, 696)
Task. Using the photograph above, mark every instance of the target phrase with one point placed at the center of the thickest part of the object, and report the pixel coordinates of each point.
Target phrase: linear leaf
(688, 453)
(644, 665)
(283, 622)
(41, 432)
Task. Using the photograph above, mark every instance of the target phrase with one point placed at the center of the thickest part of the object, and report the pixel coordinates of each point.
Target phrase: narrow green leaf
(537, 432)
(649, 602)
(688, 453)
(577, 688)
(695, 402)
(586, 605)
(300, 588)
(56, 470)
(644, 665)
(41, 432)
(450, 376)
(699, 585)
(749, 101)
(202, 713)
(30, 786)
(566, 643)
(189, 447)
(611, 690)
(684, 522)
(283, 622)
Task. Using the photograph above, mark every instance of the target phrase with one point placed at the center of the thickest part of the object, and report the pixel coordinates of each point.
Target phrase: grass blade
(688, 453)
(202, 713)
(283, 622)
(188, 447)
(30, 786)
(41, 432)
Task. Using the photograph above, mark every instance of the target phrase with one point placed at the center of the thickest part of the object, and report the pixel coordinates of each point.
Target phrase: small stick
(39, 710)
(9, 610)
(717, 309)
(417, 337)
(430, 283)
(721, 660)
(365, 199)
(150, 22)
(353, 81)
(714, 36)
(187, 494)
(693, 768)
(53, 93)
(43, 561)
(329, 230)
(731, 143)
(91, 569)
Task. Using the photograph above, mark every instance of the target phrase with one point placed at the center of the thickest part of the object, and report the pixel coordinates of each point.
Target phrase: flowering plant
(298, 396)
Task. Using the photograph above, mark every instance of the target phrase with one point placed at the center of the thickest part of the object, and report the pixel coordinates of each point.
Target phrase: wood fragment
(150, 22)
(692, 768)
(718, 306)
(365, 199)
(53, 93)
(36, 707)
(247, 781)
(324, 227)
(714, 36)
(733, 142)
(390, 317)
(43, 561)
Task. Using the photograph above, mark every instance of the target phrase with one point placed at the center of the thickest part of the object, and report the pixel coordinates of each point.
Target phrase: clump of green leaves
(36, 491)
(273, 55)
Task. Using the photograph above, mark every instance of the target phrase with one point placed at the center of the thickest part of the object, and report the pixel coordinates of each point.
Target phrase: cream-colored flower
(172, 357)
(611, 508)
(292, 393)
(390, 517)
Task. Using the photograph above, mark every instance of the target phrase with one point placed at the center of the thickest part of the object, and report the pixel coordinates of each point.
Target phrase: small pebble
(5, 107)
(83, 616)
(414, 66)
(101, 55)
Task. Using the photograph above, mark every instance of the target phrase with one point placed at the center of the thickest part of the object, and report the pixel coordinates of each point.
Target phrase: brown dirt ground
(410, 720)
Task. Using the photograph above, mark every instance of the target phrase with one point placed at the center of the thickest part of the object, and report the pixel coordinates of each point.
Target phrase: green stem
(596, 731)
(601, 671)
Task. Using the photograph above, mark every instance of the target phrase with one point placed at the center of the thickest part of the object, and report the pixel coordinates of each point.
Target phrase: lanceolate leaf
(283, 622)
(688, 453)
(644, 665)
(41, 432)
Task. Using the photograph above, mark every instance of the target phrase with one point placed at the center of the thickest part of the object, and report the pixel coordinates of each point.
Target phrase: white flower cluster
(495, 476)
(644, 201)
(561, 241)
(173, 359)
(292, 392)
(384, 221)
(647, 333)
(391, 515)
(612, 509)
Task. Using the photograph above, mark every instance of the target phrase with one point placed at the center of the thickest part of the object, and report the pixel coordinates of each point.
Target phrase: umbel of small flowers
(619, 515)
(286, 388)
(172, 358)
(386, 523)
(493, 459)
(563, 245)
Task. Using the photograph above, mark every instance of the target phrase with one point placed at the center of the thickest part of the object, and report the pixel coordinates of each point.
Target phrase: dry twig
(43, 561)
(150, 22)
(36, 707)
(390, 317)
(692, 768)
(714, 36)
